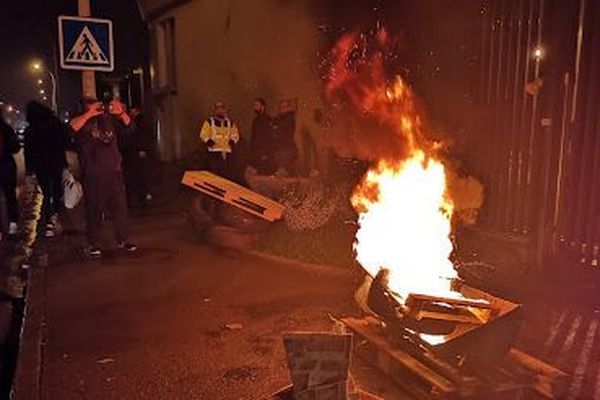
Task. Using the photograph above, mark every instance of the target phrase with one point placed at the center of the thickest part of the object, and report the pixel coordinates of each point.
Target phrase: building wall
(233, 51)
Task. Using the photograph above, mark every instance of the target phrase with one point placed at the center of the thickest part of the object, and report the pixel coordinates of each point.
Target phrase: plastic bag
(73, 191)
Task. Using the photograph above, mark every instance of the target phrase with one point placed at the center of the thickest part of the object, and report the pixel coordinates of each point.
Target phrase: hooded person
(284, 126)
(9, 146)
(45, 146)
(262, 143)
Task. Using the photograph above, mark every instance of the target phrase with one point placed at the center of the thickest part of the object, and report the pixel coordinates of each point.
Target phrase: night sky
(29, 30)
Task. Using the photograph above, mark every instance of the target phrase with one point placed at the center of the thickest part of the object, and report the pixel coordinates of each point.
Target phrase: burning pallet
(470, 356)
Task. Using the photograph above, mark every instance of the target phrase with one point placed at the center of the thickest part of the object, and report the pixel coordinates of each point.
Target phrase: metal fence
(539, 86)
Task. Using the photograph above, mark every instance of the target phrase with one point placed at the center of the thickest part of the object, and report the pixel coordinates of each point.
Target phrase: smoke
(374, 117)
(365, 118)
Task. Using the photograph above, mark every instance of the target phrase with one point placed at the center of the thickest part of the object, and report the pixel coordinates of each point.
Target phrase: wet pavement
(155, 325)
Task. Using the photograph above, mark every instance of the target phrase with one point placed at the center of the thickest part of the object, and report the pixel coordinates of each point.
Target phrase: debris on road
(234, 327)
(319, 364)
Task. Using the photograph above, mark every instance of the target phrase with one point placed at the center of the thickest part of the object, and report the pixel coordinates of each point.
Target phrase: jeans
(52, 189)
(105, 195)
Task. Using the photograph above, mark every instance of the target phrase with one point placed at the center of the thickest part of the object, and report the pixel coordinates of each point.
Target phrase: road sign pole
(88, 78)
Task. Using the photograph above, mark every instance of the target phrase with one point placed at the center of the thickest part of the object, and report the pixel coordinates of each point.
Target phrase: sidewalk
(154, 325)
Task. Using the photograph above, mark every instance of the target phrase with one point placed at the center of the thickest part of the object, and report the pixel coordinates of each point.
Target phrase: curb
(28, 372)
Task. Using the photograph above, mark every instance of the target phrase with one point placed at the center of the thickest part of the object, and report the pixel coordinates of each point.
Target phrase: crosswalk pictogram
(85, 43)
(86, 49)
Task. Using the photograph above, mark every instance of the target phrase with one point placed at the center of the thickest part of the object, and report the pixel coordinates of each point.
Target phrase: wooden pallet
(425, 376)
(472, 311)
(234, 194)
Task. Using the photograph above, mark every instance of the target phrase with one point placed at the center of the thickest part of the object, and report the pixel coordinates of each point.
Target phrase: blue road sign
(86, 43)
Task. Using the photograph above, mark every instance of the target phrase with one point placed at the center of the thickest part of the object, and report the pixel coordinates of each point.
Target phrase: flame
(405, 225)
(404, 210)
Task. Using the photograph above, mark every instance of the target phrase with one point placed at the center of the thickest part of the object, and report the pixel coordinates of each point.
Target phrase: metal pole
(541, 231)
(88, 78)
(532, 130)
(54, 102)
(520, 161)
(560, 163)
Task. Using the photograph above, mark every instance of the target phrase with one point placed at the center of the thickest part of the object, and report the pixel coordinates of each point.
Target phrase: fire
(404, 210)
(404, 219)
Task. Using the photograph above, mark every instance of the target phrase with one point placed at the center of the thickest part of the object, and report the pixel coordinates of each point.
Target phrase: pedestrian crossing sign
(85, 43)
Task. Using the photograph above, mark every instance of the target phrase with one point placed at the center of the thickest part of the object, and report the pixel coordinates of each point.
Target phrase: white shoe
(55, 225)
(13, 228)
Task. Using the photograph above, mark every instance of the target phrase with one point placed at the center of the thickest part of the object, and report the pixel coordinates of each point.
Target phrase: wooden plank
(466, 318)
(462, 302)
(388, 357)
(234, 194)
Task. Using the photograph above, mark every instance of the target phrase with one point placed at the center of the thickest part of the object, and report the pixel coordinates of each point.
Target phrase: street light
(538, 53)
(37, 66)
(39, 81)
(42, 91)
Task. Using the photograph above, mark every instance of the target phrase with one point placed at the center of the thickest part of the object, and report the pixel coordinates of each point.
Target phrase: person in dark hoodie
(138, 160)
(96, 133)
(45, 146)
(9, 145)
(284, 125)
(262, 143)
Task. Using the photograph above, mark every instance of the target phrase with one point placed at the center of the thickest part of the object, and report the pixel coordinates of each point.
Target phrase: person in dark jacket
(9, 145)
(262, 143)
(45, 146)
(284, 126)
(96, 134)
(138, 160)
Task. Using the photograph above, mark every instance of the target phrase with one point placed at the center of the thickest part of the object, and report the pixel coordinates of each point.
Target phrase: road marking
(554, 331)
(582, 363)
(566, 348)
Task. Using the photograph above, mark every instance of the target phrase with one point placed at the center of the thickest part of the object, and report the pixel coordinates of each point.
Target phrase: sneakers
(94, 252)
(126, 246)
(49, 233)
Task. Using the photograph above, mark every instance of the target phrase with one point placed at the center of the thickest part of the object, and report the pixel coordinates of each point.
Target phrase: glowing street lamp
(538, 53)
(38, 67)
(10, 109)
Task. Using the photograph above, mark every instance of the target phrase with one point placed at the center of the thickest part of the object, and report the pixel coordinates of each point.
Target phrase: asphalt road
(153, 326)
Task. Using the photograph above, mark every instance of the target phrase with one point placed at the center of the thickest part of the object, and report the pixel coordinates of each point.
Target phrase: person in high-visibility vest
(220, 135)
